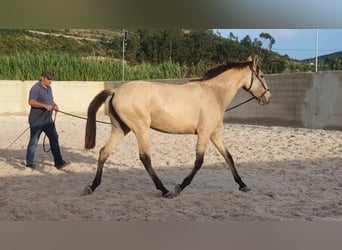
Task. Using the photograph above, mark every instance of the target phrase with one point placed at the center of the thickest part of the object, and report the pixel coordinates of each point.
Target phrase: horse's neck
(226, 85)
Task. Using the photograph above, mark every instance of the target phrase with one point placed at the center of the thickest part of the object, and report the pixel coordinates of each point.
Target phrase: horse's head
(257, 85)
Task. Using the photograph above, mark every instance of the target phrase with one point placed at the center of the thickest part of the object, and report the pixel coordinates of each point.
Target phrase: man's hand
(34, 103)
(48, 107)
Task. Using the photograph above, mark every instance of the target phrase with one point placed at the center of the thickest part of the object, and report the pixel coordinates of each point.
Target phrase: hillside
(324, 57)
(331, 61)
(195, 50)
(27, 41)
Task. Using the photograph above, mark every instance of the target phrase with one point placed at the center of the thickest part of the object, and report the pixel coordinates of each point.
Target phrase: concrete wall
(312, 100)
(73, 97)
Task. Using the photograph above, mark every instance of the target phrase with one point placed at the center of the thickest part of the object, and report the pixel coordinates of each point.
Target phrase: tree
(257, 43)
(267, 36)
(232, 37)
(246, 41)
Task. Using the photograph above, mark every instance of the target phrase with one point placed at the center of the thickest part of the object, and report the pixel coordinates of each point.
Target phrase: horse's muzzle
(265, 98)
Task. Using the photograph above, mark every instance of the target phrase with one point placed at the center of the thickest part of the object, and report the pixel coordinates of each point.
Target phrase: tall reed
(28, 66)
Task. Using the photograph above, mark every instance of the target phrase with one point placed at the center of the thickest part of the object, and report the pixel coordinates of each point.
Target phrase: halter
(249, 88)
(252, 80)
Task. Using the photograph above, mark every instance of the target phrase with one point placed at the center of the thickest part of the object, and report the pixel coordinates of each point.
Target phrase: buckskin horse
(195, 107)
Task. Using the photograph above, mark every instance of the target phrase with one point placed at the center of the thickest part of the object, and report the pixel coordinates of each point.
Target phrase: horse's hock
(311, 100)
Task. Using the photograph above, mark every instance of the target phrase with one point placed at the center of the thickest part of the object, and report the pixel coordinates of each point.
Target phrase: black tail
(90, 134)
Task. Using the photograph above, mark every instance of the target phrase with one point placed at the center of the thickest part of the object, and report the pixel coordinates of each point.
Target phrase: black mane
(211, 73)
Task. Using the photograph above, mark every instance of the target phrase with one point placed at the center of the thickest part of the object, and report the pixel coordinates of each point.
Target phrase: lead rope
(5, 150)
(22, 133)
(238, 105)
(54, 121)
(44, 148)
(81, 117)
(84, 118)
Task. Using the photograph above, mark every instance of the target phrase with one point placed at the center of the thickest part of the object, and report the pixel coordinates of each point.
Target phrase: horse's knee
(103, 155)
(145, 159)
(230, 159)
(198, 164)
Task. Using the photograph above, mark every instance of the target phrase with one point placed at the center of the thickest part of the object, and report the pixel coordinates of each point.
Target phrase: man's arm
(35, 104)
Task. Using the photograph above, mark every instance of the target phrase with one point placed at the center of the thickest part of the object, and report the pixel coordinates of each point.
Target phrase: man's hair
(47, 74)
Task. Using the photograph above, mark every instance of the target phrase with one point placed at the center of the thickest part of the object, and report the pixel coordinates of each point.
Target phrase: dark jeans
(50, 130)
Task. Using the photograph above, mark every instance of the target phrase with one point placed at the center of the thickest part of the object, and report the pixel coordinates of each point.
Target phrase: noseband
(260, 80)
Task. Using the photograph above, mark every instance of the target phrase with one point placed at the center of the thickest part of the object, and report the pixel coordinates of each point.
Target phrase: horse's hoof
(168, 195)
(244, 189)
(87, 190)
(178, 189)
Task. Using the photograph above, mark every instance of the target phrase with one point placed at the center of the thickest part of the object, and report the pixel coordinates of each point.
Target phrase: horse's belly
(169, 124)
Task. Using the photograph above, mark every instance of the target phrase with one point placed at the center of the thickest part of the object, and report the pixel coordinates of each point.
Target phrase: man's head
(46, 78)
(47, 74)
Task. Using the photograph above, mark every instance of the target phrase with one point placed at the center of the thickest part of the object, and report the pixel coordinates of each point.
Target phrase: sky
(296, 43)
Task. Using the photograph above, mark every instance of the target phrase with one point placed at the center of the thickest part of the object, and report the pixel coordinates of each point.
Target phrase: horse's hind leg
(116, 135)
(144, 154)
(217, 140)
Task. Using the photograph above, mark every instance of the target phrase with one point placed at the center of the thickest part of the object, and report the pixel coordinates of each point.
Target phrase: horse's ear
(256, 60)
(249, 59)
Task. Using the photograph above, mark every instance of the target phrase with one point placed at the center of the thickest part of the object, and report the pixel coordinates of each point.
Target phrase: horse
(195, 107)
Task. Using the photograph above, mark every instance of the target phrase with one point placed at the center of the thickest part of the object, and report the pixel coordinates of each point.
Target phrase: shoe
(62, 165)
(32, 166)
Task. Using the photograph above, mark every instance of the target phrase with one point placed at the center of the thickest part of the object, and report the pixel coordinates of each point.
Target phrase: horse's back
(169, 108)
(146, 93)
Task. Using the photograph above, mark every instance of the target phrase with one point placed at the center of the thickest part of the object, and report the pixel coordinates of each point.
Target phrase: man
(40, 120)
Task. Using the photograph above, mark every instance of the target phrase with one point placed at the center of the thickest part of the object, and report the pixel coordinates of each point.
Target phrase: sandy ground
(294, 174)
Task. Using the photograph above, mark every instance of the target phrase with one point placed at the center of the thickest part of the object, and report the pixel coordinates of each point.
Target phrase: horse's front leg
(217, 140)
(187, 180)
(146, 160)
(202, 143)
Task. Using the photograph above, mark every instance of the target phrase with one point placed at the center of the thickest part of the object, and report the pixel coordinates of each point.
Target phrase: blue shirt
(40, 116)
